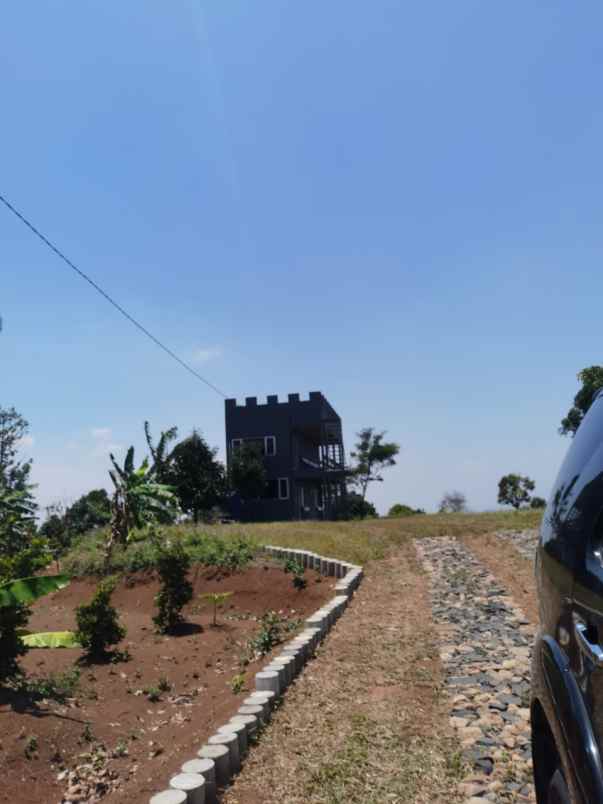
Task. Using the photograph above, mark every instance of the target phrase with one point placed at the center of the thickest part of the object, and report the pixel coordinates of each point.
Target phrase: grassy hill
(356, 541)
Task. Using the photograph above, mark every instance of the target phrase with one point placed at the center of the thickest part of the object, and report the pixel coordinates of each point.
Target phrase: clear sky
(398, 204)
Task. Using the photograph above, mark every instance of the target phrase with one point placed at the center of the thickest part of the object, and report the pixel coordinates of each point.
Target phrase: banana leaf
(51, 639)
(26, 590)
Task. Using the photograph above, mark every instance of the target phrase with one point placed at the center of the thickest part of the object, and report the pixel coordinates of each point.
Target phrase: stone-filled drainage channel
(485, 646)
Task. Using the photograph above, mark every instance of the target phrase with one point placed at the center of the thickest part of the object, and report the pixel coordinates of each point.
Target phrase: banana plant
(138, 500)
(24, 591)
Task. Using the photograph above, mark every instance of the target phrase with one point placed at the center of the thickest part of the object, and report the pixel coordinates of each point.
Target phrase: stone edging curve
(220, 758)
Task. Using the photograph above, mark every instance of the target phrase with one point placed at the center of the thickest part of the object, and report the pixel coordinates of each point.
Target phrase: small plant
(164, 685)
(153, 694)
(172, 565)
(237, 683)
(57, 686)
(121, 749)
(97, 623)
(31, 747)
(269, 635)
(87, 735)
(297, 570)
(218, 599)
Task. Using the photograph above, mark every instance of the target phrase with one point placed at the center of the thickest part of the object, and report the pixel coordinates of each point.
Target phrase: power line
(117, 306)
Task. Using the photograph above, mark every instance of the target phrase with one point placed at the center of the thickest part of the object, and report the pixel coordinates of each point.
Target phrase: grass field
(357, 541)
(364, 540)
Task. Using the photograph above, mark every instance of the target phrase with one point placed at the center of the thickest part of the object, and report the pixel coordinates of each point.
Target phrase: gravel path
(525, 541)
(485, 650)
(365, 722)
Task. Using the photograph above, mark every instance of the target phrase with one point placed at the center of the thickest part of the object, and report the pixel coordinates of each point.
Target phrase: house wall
(283, 420)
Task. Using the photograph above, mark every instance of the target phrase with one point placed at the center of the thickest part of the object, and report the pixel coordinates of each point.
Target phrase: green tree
(247, 473)
(515, 490)
(591, 379)
(453, 502)
(196, 476)
(161, 465)
(353, 506)
(372, 455)
(404, 510)
(54, 531)
(537, 502)
(14, 474)
(137, 500)
(91, 510)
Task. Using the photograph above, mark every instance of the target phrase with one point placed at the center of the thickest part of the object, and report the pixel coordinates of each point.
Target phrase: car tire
(558, 792)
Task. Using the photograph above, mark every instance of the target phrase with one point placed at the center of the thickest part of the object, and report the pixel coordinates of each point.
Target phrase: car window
(582, 466)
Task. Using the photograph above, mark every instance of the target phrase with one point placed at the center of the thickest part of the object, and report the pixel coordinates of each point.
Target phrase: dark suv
(567, 663)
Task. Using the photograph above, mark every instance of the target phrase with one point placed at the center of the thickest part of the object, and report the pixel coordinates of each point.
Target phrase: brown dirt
(366, 722)
(198, 664)
(507, 564)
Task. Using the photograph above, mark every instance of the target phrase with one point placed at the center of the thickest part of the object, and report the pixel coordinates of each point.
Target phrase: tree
(515, 490)
(372, 455)
(91, 510)
(17, 523)
(592, 381)
(54, 531)
(162, 459)
(137, 500)
(14, 474)
(197, 478)
(453, 502)
(247, 473)
(537, 502)
(404, 510)
(353, 506)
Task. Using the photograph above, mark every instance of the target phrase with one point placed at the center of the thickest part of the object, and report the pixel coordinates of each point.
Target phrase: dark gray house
(302, 445)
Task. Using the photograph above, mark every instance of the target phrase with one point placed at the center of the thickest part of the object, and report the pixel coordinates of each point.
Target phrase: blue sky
(398, 204)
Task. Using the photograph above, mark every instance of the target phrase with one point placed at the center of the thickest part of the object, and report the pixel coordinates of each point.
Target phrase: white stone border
(221, 757)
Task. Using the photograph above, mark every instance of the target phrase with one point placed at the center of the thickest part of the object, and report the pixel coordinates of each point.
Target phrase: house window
(318, 499)
(269, 445)
(283, 488)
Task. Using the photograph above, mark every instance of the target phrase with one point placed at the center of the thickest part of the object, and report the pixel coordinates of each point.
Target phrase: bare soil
(109, 708)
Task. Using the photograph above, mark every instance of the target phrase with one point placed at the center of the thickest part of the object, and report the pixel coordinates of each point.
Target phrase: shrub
(352, 506)
(404, 510)
(172, 565)
(269, 635)
(57, 686)
(299, 582)
(97, 622)
(537, 502)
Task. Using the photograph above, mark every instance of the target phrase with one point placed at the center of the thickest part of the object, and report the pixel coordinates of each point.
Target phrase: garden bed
(128, 722)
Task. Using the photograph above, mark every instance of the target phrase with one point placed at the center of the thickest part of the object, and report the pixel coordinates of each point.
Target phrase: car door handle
(588, 648)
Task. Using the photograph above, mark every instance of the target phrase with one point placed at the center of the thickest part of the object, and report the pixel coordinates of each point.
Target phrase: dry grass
(369, 539)
(513, 570)
(365, 723)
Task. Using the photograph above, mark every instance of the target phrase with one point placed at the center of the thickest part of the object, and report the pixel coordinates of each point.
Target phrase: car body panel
(567, 683)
